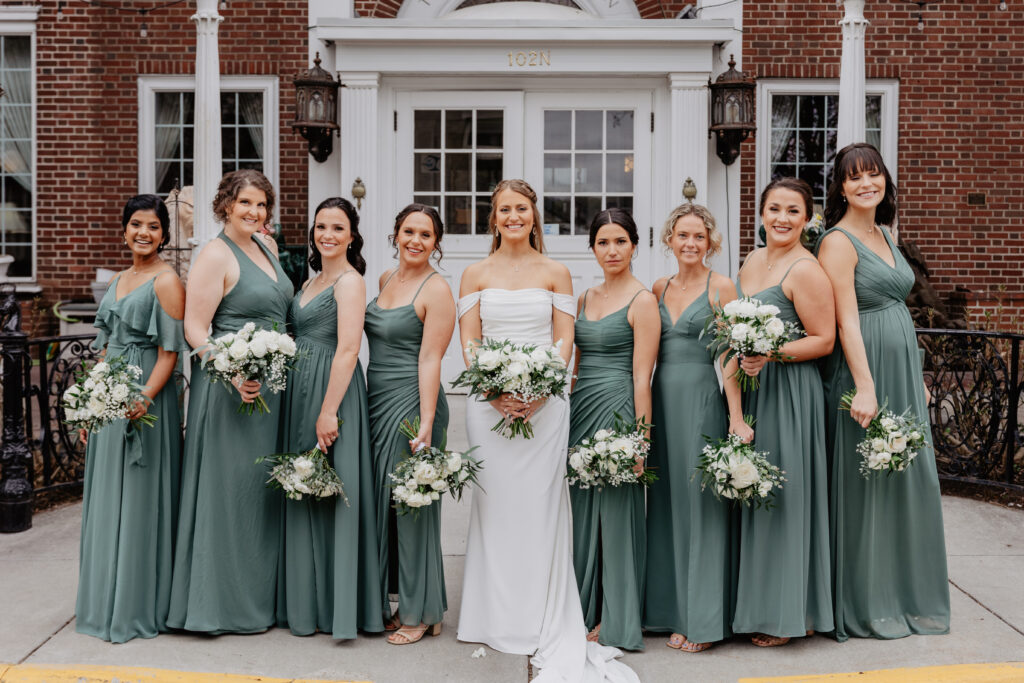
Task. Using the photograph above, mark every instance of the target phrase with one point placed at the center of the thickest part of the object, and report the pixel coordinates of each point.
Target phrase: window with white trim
(797, 129)
(17, 170)
(166, 127)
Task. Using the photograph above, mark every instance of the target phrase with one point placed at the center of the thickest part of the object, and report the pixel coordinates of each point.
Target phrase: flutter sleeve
(564, 303)
(467, 303)
(166, 332)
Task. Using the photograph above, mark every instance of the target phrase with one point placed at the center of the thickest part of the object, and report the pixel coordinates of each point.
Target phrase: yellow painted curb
(1009, 672)
(37, 673)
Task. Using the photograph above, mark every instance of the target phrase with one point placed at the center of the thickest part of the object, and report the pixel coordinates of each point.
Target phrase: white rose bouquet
(612, 457)
(250, 354)
(746, 327)
(892, 441)
(736, 471)
(527, 372)
(304, 474)
(106, 393)
(421, 478)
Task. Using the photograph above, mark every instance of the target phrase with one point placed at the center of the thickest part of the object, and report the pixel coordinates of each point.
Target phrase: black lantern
(732, 111)
(316, 109)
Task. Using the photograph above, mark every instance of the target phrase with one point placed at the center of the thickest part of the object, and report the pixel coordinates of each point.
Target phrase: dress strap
(642, 289)
(467, 303)
(432, 274)
(564, 303)
(786, 274)
(389, 279)
(662, 298)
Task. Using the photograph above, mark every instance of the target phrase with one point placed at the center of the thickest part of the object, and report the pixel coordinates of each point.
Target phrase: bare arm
(470, 327)
(171, 297)
(816, 308)
(646, 338)
(724, 290)
(576, 357)
(563, 325)
(350, 295)
(438, 326)
(208, 281)
(838, 258)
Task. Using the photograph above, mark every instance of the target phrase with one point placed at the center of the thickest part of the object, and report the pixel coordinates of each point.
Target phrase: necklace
(770, 265)
(683, 284)
(136, 271)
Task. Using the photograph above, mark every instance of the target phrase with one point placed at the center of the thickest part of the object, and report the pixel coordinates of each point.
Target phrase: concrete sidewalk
(38, 576)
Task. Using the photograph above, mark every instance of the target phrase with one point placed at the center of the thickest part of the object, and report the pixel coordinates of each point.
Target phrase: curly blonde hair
(233, 183)
(523, 188)
(701, 212)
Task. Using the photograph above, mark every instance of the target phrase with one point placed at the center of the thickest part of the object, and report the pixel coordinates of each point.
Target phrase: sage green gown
(889, 552)
(229, 530)
(328, 574)
(409, 545)
(130, 491)
(784, 581)
(690, 533)
(608, 535)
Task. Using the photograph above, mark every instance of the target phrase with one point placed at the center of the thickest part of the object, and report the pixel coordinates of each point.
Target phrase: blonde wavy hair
(523, 188)
(701, 212)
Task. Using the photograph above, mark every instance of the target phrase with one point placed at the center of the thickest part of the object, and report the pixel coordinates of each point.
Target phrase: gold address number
(525, 58)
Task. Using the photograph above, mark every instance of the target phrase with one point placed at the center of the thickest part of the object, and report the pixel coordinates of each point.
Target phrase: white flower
(100, 368)
(740, 331)
(613, 468)
(775, 327)
(238, 350)
(762, 346)
(221, 363)
(119, 393)
(425, 473)
(303, 466)
(576, 460)
(601, 447)
(742, 472)
(488, 360)
(258, 345)
(517, 368)
(95, 406)
(914, 436)
(434, 495)
(878, 445)
(897, 443)
(439, 485)
(286, 345)
(888, 423)
(89, 384)
(767, 310)
(454, 463)
(602, 434)
(764, 488)
(622, 445)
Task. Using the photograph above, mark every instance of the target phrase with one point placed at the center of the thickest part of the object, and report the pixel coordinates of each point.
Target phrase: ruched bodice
(523, 316)
(606, 347)
(260, 301)
(316, 323)
(879, 285)
(394, 336)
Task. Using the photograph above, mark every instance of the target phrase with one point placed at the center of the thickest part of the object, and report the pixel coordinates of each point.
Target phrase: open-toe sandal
(765, 640)
(676, 641)
(407, 635)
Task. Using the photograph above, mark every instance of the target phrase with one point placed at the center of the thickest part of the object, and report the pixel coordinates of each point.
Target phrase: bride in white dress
(519, 594)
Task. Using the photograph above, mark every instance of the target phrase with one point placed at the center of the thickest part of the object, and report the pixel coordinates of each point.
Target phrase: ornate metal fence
(976, 411)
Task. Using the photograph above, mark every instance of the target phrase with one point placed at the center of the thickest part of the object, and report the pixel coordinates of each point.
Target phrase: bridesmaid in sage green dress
(616, 346)
(784, 586)
(229, 530)
(130, 492)
(408, 326)
(690, 533)
(889, 553)
(328, 574)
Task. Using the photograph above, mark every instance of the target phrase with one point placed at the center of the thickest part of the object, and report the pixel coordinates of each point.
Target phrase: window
(798, 129)
(588, 166)
(166, 126)
(17, 182)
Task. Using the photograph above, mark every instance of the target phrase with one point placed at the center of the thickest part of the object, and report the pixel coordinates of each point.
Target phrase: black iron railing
(975, 380)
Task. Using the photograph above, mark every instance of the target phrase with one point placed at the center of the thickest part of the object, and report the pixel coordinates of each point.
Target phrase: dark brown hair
(523, 188)
(435, 219)
(233, 183)
(796, 185)
(355, 247)
(858, 157)
(149, 202)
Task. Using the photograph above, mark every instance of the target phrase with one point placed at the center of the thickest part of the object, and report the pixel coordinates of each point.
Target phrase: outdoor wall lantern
(732, 111)
(316, 109)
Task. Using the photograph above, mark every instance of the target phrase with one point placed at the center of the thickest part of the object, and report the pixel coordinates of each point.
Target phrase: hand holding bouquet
(421, 478)
(526, 372)
(612, 457)
(736, 471)
(746, 327)
(108, 392)
(892, 440)
(263, 356)
(304, 474)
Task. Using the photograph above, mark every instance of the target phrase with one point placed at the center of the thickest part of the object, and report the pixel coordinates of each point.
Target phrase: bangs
(864, 159)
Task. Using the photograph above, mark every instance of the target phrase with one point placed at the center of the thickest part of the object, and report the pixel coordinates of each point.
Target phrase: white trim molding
(603, 9)
(888, 89)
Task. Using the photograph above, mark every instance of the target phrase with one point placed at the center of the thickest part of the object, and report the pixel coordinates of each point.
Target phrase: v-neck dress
(130, 491)
(690, 533)
(409, 545)
(889, 551)
(608, 534)
(328, 576)
(784, 579)
(225, 565)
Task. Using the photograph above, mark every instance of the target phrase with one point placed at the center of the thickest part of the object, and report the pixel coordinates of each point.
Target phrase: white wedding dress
(519, 593)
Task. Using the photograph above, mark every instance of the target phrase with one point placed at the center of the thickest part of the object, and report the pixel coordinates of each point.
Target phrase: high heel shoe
(407, 635)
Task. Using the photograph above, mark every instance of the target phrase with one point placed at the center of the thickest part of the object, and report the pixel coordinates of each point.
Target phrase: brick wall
(87, 67)
(961, 115)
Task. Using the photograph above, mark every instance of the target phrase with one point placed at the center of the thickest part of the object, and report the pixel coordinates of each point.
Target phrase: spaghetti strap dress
(691, 534)
(784, 584)
(229, 529)
(608, 531)
(130, 489)
(409, 545)
(889, 551)
(328, 572)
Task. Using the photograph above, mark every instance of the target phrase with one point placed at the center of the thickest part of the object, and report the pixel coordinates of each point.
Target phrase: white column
(206, 150)
(851, 75)
(360, 153)
(688, 139)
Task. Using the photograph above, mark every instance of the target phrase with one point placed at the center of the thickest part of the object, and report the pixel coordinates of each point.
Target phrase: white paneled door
(581, 151)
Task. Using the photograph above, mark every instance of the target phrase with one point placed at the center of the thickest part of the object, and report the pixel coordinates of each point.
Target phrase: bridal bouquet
(892, 440)
(106, 393)
(736, 471)
(527, 372)
(304, 474)
(612, 457)
(250, 354)
(421, 478)
(749, 328)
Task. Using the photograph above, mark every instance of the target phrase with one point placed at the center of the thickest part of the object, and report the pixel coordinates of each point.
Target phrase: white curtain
(251, 109)
(168, 111)
(18, 119)
(783, 117)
